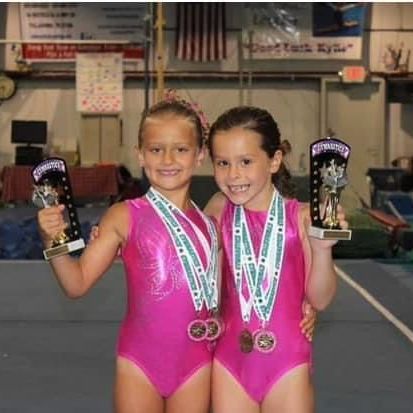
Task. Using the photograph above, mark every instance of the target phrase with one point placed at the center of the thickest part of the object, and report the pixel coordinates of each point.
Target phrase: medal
(264, 341)
(197, 330)
(246, 341)
(201, 278)
(257, 277)
(214, 328)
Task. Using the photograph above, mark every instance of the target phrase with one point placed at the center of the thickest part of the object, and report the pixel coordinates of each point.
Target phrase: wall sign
(68, 22)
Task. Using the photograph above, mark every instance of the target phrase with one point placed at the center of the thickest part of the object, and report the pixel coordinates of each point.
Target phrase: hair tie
(171, 95)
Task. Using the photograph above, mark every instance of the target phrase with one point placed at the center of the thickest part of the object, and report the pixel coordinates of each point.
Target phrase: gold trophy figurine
(334, 180)
(45, 196)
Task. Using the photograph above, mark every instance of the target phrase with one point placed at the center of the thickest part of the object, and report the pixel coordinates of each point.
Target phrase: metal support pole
(159, 52)
(147, 47)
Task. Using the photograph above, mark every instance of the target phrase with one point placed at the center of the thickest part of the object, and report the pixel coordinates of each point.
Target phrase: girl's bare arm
(321, 278)
(77, 276)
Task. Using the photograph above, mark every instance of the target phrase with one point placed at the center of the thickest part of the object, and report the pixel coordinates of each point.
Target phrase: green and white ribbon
(202, 282)
(253, 270)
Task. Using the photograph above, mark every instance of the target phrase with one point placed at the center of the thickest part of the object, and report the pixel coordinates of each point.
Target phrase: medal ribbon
(202, 282)
(269, 260)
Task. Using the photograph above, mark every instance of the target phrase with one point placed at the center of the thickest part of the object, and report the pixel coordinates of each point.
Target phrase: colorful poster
(99, 83)
(90, 22)
(303, 30)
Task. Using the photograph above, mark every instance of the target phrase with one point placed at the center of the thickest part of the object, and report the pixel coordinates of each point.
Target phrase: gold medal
(264, 341)
(197, 330)
(246, 341)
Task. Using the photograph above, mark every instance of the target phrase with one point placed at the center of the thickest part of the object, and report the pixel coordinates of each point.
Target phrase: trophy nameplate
(328, 177)
(51, 185)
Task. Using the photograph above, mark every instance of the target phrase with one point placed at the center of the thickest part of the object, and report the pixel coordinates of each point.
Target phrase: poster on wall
(391, 38)
(99, 83)
(395, 56)
(303, 30)
(56, 27)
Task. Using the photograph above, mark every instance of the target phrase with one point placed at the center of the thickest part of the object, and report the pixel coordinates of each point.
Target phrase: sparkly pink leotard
(153, 334)
(258, 372)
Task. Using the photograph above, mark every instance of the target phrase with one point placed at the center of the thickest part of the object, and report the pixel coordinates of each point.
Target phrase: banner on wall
(99, 83)
(68, 22)
(303, 30)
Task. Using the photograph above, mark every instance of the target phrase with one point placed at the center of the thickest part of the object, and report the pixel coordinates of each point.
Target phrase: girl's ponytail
(282, 180)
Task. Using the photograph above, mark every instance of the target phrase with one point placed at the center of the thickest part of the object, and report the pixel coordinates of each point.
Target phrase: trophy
(328, 178)
(51, 183)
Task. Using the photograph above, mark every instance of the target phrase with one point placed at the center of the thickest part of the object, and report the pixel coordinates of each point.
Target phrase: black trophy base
(333, 234)
(64, 249)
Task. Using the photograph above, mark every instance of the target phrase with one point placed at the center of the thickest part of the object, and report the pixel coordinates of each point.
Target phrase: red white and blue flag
(200, 32)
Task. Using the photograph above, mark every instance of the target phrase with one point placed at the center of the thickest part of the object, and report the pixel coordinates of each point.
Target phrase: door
(356, 114)
(100, 139)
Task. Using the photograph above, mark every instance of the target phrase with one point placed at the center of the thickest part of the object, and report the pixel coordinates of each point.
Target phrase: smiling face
(243, 170)
(169, 152)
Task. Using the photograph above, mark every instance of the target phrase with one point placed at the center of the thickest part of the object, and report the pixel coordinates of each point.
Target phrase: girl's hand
(51, 223)
(307, 324)
(324, 244)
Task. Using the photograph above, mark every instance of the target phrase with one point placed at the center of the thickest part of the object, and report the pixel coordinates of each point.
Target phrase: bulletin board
(99, 83)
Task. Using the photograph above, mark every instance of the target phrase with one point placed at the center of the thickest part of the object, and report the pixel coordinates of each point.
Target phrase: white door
(356, 114)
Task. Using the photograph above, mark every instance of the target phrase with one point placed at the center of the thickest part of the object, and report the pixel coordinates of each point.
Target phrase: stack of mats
(369, 238)
(21, 239)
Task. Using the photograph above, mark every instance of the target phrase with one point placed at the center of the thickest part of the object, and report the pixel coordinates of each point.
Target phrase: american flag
(200, 32)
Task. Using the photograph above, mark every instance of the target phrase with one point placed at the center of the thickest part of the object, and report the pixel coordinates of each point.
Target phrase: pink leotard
(153, 334)
(257, 372)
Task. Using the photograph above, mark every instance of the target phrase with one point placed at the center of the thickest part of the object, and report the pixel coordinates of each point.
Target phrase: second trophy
(328, 177)
(51, 187)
